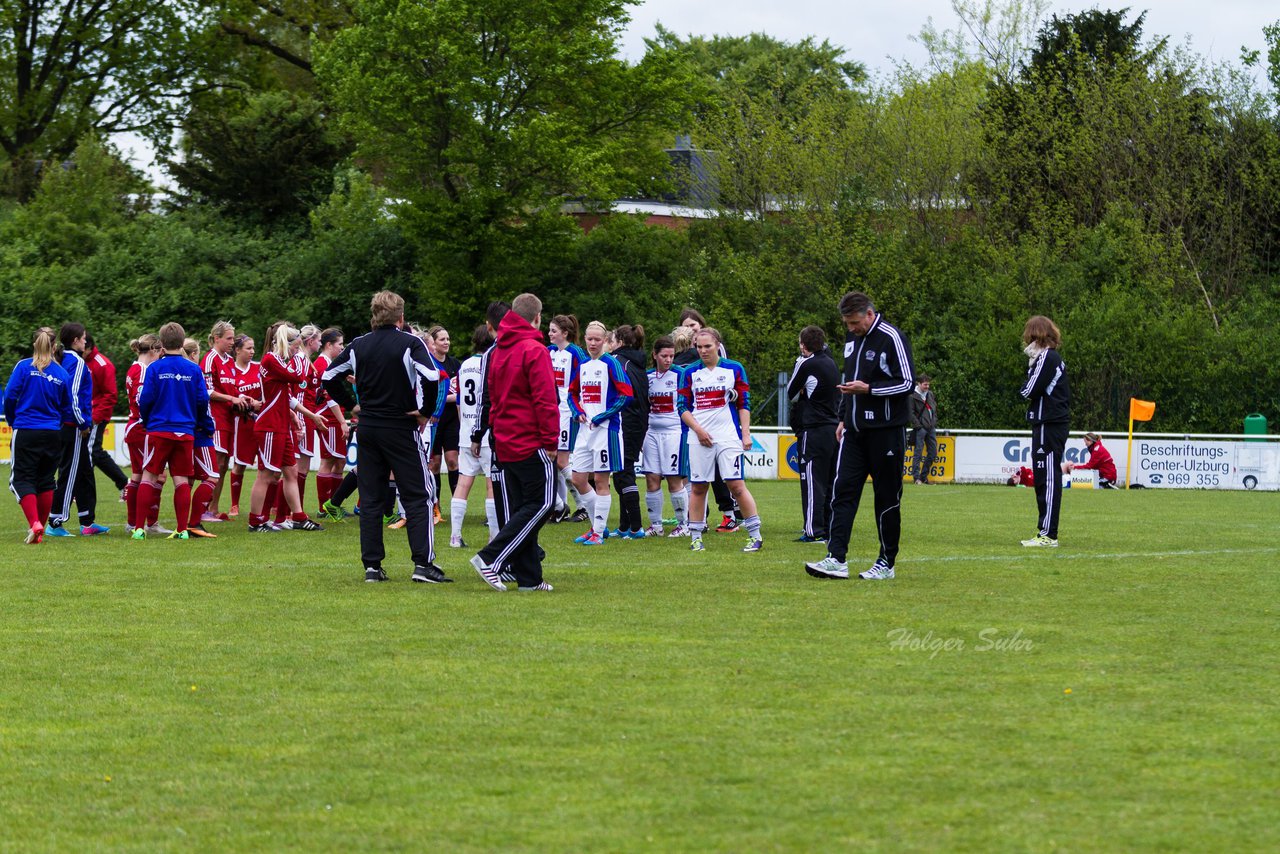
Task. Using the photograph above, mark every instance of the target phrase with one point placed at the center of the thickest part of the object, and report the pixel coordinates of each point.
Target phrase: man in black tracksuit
(1048, 395)
(399, 390)
(879, 376)
(814, 400)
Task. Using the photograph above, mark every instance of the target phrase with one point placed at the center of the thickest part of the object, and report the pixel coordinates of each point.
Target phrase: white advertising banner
(1200, 464)
(1157, 463)
(761, 462)
(994, 459)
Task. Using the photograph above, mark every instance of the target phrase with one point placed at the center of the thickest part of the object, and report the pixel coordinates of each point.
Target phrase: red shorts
(222, 439)
(276, 450)
(136, 442)
(204, 464)
(310, 442)
(333, 445)
(172, 450)
(244, 449)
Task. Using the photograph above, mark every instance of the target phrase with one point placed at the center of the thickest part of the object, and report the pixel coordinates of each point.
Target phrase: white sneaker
(679, 531)
(654, 531)
(488, 573)
(828, 567)
(456, 543)
(540, 586)
(1041, 542)
(286, 525)
(879, 571)
(158, 530)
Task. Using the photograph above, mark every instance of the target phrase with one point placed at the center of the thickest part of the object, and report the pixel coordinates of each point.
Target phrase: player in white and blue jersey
(597, 395)
(566, 356)
(715, 404)
(468, 387)
(665, 452)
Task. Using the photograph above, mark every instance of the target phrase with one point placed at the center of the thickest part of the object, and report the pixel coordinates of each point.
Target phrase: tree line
(1067, 165)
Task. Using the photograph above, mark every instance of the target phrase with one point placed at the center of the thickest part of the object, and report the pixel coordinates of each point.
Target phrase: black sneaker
(264, 528)
(374, 573)
(430, 574)
(805, 538)
(307, 525)
(580, 515)
(506, 575)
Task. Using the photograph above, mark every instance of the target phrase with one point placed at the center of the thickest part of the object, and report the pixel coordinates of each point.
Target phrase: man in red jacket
(105, 398)
(1099, 460)
(524, 423)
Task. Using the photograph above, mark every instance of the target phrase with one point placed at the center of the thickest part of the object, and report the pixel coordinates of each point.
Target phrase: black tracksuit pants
(877, 453)
(35, 458)
(398, 450)
(817, 474)
(624, 481)
(528, 493)
(1048, 444)
(75, 479)
(102, 458)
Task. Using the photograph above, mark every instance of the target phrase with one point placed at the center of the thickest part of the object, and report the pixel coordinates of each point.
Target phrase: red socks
(237, 480)
(148, 497)
(131, 503)
(182, 505)
(31, 509)
(200, 501)
(302, 491)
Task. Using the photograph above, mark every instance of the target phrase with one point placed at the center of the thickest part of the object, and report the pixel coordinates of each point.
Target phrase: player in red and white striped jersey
(283, 374)
(148, 349)
(332, 437)
(244, 445)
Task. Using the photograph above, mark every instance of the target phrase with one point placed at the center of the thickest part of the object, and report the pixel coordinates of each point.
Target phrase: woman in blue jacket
(37, 400)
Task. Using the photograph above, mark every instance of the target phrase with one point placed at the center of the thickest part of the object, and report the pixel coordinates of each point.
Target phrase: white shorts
(481, 466)
(665, 453)
(597, 449)
(569, 429)
(703, 461)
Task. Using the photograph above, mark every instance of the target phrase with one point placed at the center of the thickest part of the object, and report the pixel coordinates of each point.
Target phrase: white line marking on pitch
(1058, 555)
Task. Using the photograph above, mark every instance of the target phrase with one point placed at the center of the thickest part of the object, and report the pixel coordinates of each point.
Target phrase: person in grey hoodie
(924, 429)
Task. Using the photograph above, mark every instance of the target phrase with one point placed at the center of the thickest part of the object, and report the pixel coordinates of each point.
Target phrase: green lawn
(252, 693)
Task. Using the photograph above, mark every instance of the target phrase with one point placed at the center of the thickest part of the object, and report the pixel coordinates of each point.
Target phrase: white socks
(457, 512)
(653, 503)
(600, 513)
(680, 504)
(491, 516)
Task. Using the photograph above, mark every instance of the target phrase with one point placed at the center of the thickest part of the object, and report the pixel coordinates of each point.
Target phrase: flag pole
(1128, 462)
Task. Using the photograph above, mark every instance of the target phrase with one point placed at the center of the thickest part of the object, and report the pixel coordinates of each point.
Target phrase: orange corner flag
(1141, 410)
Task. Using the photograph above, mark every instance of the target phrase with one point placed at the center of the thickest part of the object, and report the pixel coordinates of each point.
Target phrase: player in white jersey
(467, 386)
(566, 356)
(665, 451)
(715, 405)
(596, 397)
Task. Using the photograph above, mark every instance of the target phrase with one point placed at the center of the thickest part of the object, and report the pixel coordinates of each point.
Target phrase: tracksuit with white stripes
(875, 436)
(812, 391)
(398, 380)
(75, 473)
(1048, 395)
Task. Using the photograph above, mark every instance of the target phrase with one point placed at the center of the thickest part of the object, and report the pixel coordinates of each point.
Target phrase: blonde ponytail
(42, 347)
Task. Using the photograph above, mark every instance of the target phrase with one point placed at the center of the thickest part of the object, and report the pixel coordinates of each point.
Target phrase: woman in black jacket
(1048, 396)
(635, 423)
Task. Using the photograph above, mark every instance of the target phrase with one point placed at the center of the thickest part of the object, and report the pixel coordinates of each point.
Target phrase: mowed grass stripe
(657, 699)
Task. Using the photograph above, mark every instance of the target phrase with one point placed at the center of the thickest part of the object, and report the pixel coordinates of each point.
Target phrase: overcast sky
(875, 32)
(871, 31)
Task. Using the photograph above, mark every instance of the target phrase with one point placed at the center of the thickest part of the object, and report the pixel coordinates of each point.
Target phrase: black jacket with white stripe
(1047, 391)
(882, 360)
(394, 374)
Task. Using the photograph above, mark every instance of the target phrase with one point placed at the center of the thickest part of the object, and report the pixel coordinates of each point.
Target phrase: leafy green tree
(483, 116)
(110, 66)
(263, 157)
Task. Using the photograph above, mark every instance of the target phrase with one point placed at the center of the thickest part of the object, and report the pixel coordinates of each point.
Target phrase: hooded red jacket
(524, 404)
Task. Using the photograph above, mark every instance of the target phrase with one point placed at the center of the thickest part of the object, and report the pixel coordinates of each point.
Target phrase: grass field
(252, 693)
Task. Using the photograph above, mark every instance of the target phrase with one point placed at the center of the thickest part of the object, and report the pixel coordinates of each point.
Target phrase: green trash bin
(1255, 425)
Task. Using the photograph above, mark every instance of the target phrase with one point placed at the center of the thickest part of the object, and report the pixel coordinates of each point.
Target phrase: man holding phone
(879, 376)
